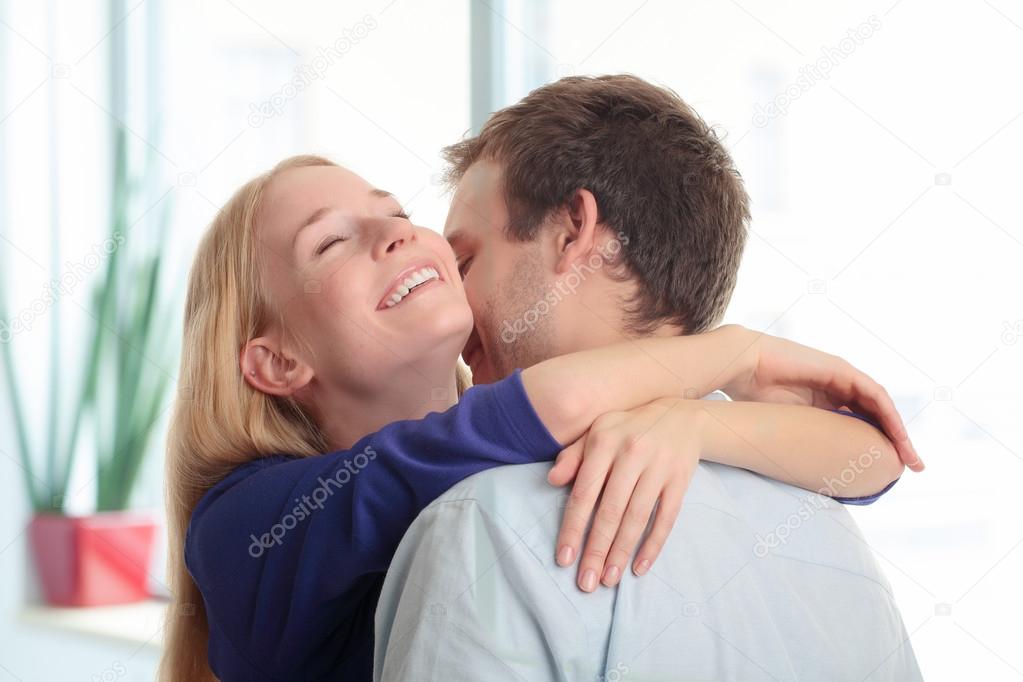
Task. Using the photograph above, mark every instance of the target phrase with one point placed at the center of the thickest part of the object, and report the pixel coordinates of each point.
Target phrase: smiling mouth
(408, 282)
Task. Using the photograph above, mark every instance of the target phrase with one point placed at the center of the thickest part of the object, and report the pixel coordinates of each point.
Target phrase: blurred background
(879, 140)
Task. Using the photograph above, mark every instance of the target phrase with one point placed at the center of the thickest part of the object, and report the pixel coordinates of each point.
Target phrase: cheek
(340, 294)
(482, 290)
(336, 307)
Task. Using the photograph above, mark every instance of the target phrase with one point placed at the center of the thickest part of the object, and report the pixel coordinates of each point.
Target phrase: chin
(442, 329)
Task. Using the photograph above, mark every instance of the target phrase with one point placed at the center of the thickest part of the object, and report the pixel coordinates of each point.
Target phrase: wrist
(698, 423)
(737, 376)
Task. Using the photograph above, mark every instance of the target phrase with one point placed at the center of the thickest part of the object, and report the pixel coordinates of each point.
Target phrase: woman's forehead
(297, 186)
(298, 193)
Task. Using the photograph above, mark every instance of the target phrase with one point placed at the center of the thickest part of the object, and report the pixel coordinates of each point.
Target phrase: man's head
(593, 210)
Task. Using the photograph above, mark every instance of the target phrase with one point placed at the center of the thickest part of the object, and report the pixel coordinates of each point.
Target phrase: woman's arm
(288, 552)
(819, 450)
(655, 449)
(570, 391)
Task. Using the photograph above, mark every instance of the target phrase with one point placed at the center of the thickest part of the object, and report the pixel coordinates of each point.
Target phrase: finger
(582, 498)
(566, 466)
(667, 511)
(875, 401)
(606, 522)
(634, 522)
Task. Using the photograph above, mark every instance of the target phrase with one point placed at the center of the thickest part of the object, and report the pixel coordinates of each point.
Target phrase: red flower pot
(93, 560)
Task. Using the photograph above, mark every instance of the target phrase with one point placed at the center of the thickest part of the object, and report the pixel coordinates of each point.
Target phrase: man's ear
(266, 368)
(577, 236)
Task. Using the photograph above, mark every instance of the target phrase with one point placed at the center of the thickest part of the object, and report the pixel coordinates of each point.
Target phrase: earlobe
(579, 234)
(266, 369)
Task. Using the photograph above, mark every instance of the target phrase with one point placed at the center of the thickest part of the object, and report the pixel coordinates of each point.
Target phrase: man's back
(759, 580)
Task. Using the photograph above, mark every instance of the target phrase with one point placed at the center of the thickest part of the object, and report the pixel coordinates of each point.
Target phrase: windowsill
(140, 624)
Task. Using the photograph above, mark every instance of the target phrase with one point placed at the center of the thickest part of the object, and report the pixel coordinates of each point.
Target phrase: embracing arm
(656, 448)
(570, 391)
(819, 450)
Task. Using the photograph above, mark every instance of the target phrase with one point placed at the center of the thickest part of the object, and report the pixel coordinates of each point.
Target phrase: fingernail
(565, 555)
(589, 581)
(642, 567)
(611, 575)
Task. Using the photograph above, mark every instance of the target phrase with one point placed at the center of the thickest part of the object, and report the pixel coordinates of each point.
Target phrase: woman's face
(375, 297)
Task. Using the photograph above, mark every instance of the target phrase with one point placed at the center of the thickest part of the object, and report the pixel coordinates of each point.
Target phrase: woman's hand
(636, 458)
(783, 371)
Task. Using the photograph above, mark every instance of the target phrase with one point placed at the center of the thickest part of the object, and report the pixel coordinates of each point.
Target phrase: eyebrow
(324, 210)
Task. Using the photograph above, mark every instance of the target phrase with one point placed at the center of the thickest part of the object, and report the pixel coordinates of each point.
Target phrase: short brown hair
(661, 177)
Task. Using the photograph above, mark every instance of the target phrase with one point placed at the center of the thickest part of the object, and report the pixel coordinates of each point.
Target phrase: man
(594, 211)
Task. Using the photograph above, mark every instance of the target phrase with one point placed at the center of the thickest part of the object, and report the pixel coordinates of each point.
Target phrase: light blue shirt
(759, 580)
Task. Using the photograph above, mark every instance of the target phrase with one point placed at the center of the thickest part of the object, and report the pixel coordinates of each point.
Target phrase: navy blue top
(290, 553)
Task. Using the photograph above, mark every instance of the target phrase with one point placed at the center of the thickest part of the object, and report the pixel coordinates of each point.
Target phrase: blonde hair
(220, 422)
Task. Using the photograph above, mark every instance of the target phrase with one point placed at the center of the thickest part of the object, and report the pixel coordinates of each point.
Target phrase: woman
(320, 320)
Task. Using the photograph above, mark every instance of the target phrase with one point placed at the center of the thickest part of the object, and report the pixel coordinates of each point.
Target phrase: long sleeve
(289, 553)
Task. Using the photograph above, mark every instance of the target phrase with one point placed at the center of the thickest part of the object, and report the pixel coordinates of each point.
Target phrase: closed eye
(330, 241)
(463, 267)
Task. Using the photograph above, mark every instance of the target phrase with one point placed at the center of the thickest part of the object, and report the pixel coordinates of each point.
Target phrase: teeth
(412, 281)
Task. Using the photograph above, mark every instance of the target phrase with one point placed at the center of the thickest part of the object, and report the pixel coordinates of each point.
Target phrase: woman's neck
(345, 418)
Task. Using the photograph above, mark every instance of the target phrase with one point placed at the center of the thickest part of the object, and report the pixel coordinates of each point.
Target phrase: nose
(394, 233)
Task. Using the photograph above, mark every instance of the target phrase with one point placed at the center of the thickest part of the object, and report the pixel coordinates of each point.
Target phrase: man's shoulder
(515, 494)
(723, 505)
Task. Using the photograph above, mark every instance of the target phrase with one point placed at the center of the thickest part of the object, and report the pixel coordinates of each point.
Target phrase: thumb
(566, 466)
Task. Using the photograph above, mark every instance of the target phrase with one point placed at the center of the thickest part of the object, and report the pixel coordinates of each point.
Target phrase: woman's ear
(266, 368)
(578, 230)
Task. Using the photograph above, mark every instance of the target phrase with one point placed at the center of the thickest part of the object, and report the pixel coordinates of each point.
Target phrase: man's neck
(607, 332)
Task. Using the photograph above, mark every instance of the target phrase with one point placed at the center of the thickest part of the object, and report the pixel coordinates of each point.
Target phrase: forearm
(814, 449)
(570, 391)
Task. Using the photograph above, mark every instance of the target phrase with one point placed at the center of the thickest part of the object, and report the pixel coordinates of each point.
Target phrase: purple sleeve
(286, 550)
(863, 499)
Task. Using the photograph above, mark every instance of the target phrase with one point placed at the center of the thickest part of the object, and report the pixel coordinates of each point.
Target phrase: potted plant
(102, 558)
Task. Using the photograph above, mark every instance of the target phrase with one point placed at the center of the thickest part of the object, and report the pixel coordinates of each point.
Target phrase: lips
(397, 285)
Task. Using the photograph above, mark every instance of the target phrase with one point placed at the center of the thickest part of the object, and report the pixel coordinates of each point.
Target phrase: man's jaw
(478, 360)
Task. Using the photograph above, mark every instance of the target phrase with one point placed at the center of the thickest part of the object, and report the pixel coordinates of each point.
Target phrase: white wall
(387, 91)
